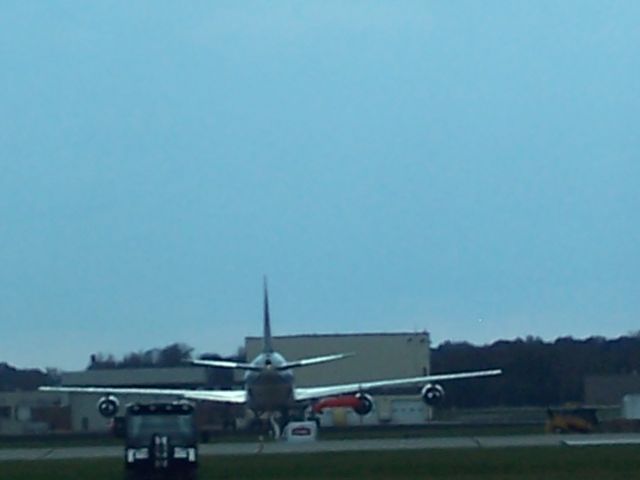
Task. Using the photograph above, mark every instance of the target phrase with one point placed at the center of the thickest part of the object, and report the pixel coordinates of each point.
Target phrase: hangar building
(378, 356)
(84, 414)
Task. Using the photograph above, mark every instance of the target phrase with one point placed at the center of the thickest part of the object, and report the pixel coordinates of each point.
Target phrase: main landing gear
(272, 426)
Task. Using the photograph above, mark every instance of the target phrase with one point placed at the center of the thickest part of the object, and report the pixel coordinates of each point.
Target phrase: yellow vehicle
(571, 420)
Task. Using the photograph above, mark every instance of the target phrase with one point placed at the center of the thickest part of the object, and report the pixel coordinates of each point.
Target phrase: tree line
(174, 355)
(13, 379)
(535, 372)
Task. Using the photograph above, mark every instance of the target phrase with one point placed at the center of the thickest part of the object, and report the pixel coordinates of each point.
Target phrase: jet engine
(108, 406)
(432, 394)
(365, 403)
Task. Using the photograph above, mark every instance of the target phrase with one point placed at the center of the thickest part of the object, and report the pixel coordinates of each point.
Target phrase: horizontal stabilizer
(225, 364)
(305, 362)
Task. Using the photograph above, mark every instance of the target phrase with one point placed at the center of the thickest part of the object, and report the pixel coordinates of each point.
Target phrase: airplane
(270, 387)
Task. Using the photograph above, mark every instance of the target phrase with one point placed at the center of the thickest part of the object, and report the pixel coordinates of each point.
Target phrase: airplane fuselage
(269, 389)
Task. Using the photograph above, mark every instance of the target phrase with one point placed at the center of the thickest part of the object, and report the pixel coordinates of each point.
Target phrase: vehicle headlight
(134, 454)
(142, 453)
(183, 452)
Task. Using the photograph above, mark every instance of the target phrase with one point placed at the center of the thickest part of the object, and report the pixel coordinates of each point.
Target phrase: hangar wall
(378, 356)
(182, 377)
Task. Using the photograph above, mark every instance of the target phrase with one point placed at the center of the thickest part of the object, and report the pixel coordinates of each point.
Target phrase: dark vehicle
(160, 441)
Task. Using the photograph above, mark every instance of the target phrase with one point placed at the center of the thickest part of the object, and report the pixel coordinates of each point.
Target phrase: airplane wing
(223, 396)
(311, 393)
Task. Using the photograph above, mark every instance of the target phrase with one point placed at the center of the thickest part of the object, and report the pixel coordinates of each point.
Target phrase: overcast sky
(468, 168)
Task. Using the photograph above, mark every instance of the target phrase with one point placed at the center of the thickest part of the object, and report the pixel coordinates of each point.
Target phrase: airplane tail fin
(266, 337)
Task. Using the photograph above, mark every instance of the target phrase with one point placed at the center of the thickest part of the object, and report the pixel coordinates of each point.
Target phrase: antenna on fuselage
(266, 339)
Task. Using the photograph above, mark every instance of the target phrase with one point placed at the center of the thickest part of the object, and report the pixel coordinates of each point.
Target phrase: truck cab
(160, 441)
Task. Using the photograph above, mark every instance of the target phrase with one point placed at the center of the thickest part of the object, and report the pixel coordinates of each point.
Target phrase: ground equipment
(160, 441)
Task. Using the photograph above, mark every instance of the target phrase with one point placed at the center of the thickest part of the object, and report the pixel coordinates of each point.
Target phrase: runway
(327, 446)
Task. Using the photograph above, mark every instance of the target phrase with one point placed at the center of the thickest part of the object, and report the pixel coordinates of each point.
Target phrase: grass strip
(555, 463)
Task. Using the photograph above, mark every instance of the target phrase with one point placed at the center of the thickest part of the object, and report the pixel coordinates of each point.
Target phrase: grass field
(600, 463)
(58, 442)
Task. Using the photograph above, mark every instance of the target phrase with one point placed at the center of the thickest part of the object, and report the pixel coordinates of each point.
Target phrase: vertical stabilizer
(266, 339)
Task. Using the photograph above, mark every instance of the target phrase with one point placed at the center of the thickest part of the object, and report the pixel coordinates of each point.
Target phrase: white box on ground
(631, 406)
(301, 432)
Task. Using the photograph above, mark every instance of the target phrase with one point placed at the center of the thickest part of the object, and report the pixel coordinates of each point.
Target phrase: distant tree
(100, 361)
(173, 355)
(535, 372)
(53, 374)
(223, 377)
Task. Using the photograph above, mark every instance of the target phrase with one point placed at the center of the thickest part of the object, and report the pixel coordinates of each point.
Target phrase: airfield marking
(603, 442)
(46, 454)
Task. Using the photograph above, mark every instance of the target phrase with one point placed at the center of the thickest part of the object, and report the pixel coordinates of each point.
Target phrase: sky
(466, 168)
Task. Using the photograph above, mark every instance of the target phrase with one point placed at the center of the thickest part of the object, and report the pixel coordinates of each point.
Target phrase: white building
(631, 406)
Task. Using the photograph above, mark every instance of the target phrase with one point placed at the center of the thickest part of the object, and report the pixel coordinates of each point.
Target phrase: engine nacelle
(365, 405)
(432, 394)
(108, 406)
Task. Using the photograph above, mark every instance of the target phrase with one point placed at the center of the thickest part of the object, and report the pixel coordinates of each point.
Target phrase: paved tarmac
(58, 453)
